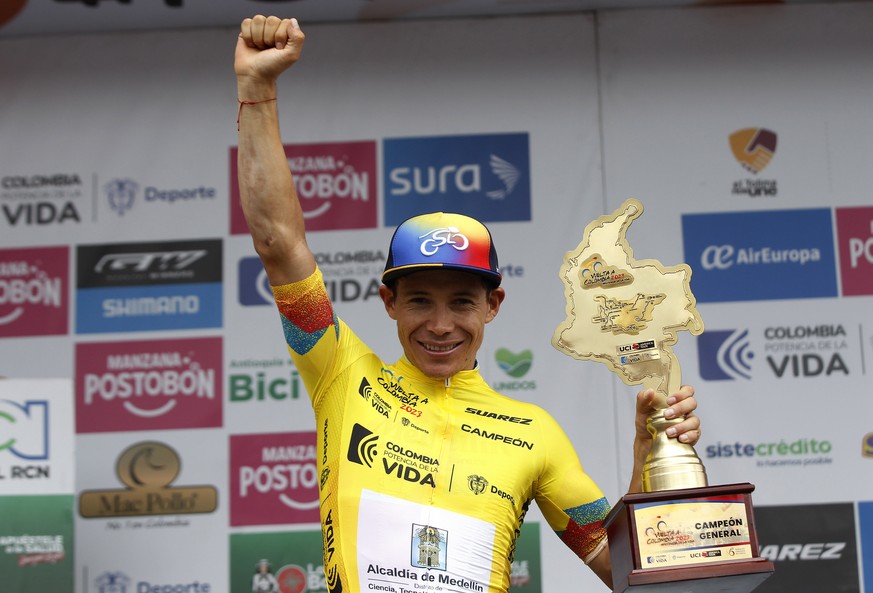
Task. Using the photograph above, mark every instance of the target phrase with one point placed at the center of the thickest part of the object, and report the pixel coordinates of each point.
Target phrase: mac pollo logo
(147, 470)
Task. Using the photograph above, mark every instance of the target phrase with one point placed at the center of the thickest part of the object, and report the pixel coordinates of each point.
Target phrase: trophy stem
(670, 465)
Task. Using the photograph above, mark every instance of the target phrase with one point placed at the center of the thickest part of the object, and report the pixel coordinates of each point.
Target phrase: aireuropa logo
(746, 256)
(147, 469)
(148, 385)
(336, 184)
(855, 240)
(273, 479)
(486, 176)
(254, 286)
(34, 291)
(24, 429)
(725, 355)
(149, 286)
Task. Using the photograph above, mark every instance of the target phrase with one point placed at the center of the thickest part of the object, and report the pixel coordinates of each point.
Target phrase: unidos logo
(148, 385)
(33, 291)
(148, 469)
(516, 365)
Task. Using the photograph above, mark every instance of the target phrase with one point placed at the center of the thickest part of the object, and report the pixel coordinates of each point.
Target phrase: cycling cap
(442, 240)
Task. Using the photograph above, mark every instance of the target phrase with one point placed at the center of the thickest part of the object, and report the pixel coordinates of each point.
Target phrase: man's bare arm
(266, 47)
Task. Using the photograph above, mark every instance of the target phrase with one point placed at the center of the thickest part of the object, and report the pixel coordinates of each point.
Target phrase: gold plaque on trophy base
(693, 540)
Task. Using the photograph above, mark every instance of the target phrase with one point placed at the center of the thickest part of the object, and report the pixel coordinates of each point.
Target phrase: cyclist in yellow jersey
(426, 472)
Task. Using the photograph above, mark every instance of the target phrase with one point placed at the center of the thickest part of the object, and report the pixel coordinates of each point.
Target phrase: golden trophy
(679, 534)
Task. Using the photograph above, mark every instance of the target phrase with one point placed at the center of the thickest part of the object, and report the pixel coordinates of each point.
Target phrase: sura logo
(455, 178)
(516, 366)
(146, 376)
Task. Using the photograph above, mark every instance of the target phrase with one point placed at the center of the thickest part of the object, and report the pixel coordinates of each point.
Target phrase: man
(426, 472)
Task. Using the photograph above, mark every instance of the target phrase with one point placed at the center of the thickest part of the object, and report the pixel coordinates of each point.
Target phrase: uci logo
(436, 238)
(717, 257)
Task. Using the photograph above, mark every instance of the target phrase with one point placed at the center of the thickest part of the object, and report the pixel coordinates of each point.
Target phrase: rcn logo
(254, 287)
(24, 429)
(486, 176)
(746, 256)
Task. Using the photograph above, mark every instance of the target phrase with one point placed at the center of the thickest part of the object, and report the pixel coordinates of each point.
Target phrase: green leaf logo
(514, 365)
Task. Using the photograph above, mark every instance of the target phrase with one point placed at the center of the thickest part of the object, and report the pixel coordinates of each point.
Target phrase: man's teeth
(439, 348)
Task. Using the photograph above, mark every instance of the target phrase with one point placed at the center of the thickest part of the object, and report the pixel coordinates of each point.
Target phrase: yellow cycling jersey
(425, 482)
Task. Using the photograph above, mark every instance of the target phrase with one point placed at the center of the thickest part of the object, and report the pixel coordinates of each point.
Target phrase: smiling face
(441, 317)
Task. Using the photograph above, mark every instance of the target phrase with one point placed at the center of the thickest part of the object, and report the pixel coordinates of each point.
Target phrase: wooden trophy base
(693, 540)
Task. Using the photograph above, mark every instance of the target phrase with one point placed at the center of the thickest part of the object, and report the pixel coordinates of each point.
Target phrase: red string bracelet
(241, 103)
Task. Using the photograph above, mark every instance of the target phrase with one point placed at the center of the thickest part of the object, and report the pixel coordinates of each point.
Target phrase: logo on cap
(444, 236)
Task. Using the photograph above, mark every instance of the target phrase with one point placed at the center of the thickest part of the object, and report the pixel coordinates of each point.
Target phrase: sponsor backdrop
(131, 297)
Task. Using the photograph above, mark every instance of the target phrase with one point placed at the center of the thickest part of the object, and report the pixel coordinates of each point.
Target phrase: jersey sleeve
(310, 326)
(571, 502)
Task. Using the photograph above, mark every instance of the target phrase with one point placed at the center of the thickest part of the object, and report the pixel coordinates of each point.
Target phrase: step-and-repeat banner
(141, 345)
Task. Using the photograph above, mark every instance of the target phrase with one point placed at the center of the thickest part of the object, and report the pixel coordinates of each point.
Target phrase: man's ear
(388, 299)
(495, 298)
